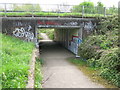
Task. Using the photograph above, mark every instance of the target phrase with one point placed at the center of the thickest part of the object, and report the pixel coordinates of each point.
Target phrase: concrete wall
(65, 37)
(24, 29)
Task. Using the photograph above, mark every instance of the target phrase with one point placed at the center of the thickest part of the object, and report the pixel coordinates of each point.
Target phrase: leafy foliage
(110, 62)
(15, 62)
(49, 32)
(101, 49)
(90, 8)
(87, 7)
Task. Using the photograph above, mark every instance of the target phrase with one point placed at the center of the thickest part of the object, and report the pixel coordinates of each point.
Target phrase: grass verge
(0, 62)
(16, 55)
(38, 74)
(91, 72)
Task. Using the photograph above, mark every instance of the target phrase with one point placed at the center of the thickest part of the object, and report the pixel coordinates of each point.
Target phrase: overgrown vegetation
(0, 62)
(16, 55)
(49, 32)
(101, 50)
(90, 8)
(38, 74)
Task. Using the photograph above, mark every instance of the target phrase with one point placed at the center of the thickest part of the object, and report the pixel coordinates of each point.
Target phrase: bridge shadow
(49, 48)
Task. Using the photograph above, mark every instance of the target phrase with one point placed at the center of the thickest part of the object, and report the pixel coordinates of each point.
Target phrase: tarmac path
(58, 72)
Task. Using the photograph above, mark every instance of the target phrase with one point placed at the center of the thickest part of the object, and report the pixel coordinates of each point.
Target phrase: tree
(112, 10)
(100, 8)
(100, 4)
(88, 7)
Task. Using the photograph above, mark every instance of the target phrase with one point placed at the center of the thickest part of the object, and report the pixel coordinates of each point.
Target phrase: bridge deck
(47, 18)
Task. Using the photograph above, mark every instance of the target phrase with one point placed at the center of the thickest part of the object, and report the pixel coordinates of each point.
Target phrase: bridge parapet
(25, 27)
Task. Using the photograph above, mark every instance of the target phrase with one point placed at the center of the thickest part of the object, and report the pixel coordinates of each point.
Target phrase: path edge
(31, 74)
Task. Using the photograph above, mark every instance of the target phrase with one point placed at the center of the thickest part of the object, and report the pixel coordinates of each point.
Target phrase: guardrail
(15, 9)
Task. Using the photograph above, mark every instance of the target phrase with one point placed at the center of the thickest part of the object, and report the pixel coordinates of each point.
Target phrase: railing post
(32, 10)
(82, 11)
(58, 10)
(5, 9)
(104, 11)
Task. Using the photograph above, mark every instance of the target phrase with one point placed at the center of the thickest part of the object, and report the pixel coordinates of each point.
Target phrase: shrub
(110, 63)
(101, 50)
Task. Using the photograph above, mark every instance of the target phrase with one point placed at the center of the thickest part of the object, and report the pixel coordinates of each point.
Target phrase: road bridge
(68, 31)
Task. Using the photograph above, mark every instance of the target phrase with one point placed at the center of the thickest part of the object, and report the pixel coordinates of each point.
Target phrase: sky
(107, 3)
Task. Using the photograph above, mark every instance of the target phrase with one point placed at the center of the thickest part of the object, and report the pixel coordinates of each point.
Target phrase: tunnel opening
(45, 34)
(68, 38)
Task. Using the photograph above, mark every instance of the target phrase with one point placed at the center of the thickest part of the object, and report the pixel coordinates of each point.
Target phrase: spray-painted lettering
(89, 26)
(22, 32)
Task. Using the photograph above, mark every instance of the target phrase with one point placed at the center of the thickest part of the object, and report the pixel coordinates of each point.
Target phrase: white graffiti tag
(71, 24)
(21, 32)
(89, 26)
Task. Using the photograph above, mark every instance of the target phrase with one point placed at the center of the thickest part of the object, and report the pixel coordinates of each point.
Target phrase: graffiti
(74, 43)
(19, 23)
(89, 26)
(71, 24)
(57, 23)
(21, 32)
(48, 23)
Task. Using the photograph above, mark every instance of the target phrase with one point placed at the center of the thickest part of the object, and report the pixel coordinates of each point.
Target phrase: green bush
(101, 50)
(89, 48)
(16, 55)
(110, 64)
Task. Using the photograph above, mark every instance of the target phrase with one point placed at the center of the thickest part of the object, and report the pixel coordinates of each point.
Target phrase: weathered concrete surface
(64, 36)
(58, 72)
(25, 27)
